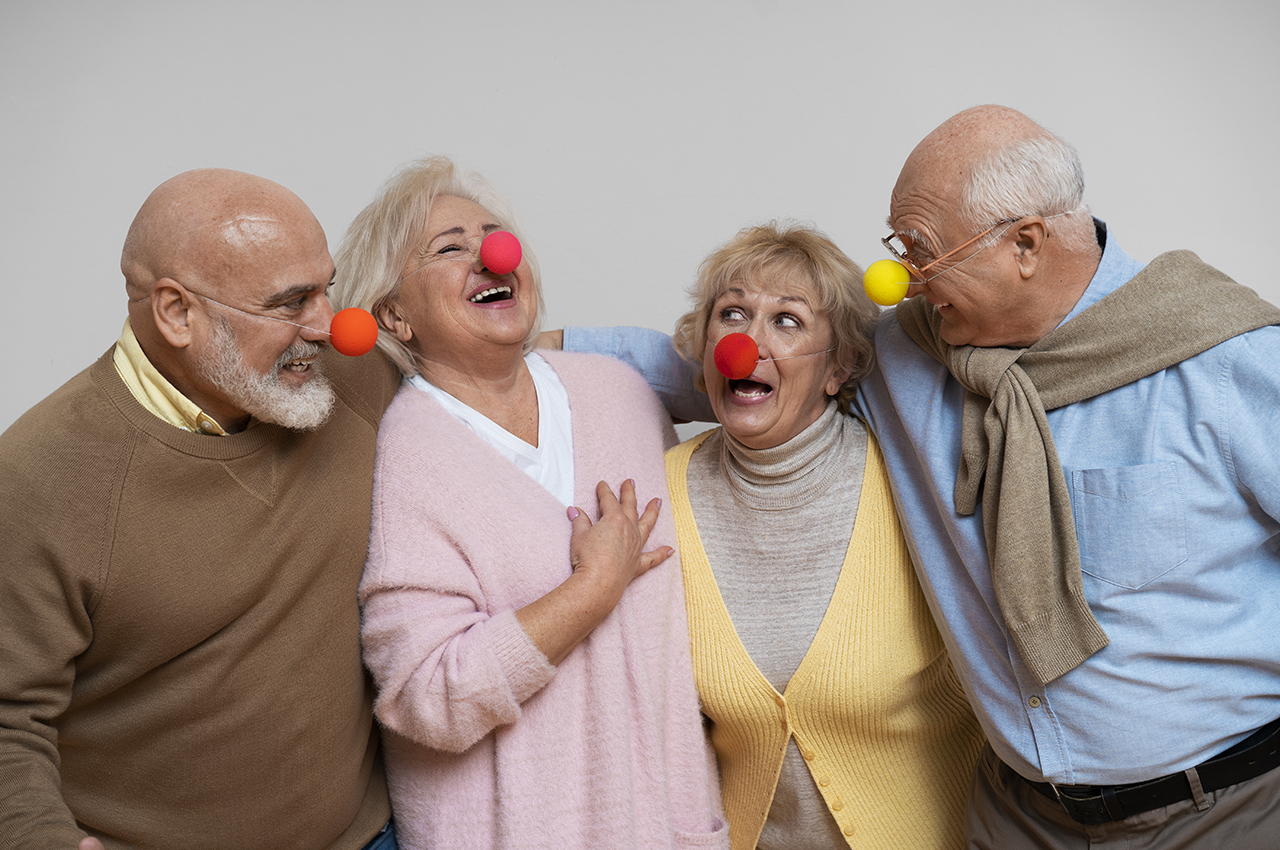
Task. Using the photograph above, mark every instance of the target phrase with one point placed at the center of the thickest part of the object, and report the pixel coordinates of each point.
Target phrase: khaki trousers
(1006, 813)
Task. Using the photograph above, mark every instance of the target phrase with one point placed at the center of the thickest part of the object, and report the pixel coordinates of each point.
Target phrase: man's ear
(389, 317)
(1029, 243)
(171, 310)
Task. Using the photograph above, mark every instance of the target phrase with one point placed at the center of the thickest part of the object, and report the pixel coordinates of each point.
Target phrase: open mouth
(748, 389)
(300, 365)
(492, 295)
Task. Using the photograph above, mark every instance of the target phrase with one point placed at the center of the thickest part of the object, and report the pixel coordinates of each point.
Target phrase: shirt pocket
(1130, 522)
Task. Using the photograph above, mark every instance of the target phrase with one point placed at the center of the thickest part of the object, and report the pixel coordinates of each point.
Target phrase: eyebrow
(297, 291)
(783, 299)
(459, 230)
(919, 242)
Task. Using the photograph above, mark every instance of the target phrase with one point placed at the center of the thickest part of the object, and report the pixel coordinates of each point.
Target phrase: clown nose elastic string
(737, 354)
(351, 332)
(500, 253)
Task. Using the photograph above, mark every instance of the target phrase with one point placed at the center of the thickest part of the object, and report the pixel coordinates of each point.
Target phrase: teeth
(479, 297)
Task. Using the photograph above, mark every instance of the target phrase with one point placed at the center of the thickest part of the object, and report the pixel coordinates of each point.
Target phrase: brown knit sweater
(179, 653)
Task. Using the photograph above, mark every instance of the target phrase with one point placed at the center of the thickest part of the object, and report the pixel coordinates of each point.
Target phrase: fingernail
(573, 513)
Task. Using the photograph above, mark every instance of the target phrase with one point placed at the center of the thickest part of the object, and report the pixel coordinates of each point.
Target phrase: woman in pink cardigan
(526, 627)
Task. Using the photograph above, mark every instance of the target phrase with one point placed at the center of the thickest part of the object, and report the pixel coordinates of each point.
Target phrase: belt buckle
(1084, 810)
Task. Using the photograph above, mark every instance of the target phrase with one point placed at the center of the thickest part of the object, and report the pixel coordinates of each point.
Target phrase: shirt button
(837, 806)
(1034, 702)
(824, 781)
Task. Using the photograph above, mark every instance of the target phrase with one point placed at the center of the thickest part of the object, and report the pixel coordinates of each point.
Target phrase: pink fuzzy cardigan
(487, 744)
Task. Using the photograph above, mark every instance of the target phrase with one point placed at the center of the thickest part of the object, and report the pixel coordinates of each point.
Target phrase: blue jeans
(385, 839)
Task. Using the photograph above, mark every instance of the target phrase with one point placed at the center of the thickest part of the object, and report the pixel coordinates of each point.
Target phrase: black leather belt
(1096, 804)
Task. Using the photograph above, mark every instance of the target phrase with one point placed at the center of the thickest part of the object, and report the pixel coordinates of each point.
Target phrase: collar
(1115, 269)
(153, 390)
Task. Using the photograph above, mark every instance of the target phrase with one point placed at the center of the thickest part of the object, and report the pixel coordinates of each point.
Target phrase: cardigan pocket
(718, 837)
(1131, 522)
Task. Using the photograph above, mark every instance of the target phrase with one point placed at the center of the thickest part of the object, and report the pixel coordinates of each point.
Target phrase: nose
(316, 326)
(753, 332)
(914, 289)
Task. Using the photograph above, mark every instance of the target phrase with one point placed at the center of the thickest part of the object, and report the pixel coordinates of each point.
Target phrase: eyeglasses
(919, 271)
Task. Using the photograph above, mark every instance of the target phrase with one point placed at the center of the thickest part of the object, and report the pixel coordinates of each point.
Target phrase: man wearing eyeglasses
(184, 525)
(1084, 459)
(1082, 449)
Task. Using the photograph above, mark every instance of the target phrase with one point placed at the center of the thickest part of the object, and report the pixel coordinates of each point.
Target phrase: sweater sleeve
(451, 664)
(651, 354)
(54, 503)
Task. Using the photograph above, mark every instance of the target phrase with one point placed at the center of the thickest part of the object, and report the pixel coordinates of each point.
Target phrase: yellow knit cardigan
(875, 706)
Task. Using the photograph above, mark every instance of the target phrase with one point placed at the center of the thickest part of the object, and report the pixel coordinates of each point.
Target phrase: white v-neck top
(550, 463)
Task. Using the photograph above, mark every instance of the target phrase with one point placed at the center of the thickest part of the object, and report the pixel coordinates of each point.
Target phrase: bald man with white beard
(184, 525)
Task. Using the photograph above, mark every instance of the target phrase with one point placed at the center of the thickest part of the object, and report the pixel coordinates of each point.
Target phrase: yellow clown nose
(886, 282)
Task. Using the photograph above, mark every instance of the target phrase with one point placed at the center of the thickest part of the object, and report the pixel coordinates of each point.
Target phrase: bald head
(202, 225)
(974, 134)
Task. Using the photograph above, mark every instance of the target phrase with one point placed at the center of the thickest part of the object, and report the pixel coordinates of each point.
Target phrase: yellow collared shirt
(154, 392)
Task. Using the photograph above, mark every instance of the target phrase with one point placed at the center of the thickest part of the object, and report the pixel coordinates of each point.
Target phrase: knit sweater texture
(875, 707)
(179, 654)
(489, 745)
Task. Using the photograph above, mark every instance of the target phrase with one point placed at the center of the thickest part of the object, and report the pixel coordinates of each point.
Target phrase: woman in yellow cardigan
(833, 707)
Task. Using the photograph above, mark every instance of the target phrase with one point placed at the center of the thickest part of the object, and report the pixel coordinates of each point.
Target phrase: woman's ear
(837, 380)
(389, 317)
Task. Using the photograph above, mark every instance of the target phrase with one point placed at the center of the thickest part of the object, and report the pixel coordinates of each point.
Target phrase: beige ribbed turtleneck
(758, 510)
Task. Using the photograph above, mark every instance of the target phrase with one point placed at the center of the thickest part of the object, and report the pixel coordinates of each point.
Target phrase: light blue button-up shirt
(1175, 490)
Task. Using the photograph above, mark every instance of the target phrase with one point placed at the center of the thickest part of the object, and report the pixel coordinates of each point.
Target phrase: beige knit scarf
(1174, 309)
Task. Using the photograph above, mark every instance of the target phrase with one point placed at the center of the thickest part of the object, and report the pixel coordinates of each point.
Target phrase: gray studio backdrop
(631, 138)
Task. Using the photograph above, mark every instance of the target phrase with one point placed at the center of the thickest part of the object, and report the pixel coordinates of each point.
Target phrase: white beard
(302, 408)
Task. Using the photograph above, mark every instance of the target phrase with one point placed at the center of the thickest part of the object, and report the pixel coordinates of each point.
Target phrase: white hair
(1040, 176)
(371, 259)
(302, 408)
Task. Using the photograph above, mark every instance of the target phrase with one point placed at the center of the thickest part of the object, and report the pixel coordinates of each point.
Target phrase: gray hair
(381, 238)
(1041, 176)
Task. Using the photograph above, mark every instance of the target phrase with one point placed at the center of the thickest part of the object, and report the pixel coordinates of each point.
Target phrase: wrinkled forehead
(781, 279)
(927, 192)
(263, 251)
(448, 211)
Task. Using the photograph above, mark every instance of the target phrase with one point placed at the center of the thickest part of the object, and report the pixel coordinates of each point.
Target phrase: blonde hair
(380, 239)
(788, 250)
